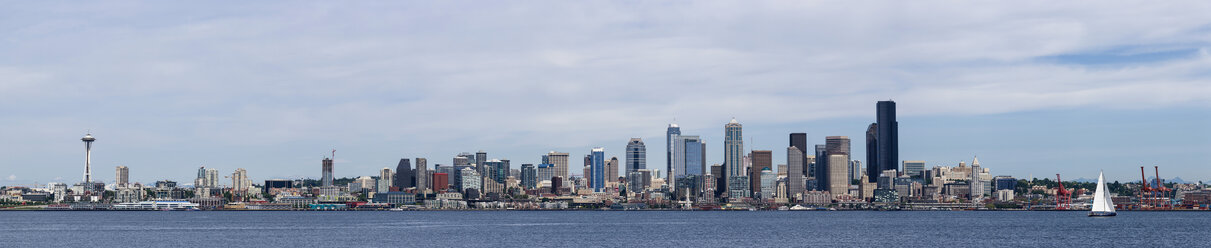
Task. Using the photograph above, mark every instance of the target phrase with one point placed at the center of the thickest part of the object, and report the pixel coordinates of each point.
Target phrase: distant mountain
(1085, 180)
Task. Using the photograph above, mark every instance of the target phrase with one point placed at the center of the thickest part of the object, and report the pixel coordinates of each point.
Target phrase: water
(599, 228)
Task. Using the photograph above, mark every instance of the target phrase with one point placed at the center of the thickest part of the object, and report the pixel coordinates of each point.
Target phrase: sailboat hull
(1101, 214)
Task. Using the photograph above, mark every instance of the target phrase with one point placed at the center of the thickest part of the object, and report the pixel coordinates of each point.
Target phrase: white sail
(1101, 197)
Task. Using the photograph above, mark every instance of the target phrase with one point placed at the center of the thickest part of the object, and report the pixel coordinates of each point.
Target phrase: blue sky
(1032, 87)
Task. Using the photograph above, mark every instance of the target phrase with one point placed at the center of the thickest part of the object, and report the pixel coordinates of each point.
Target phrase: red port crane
(1145, 190)
(1161, 189)
(1063, 197)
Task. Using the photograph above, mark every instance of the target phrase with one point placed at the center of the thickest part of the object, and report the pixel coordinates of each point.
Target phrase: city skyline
(1036, 90)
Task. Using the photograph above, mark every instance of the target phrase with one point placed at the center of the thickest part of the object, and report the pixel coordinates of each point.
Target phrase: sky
(1034, 88)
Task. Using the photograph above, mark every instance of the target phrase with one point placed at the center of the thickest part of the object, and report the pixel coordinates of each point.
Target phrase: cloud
(440, 77)
(12, 177)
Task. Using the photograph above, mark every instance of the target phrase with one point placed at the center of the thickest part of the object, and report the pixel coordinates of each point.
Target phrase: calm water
(600, 228)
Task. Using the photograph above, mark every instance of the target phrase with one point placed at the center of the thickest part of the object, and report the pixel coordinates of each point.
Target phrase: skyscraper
(497, 170)
(838, 183)
(611, 170)
(463, 159)
(597, 160)
(872, 150)
(799, 141)
(239, 180)
(480, 158)
(761, 160)
(560, 161)
(88, 156)
(529, 176)
(422, 174)
(670, 134)
(820, 172)
(888, 141)
(326, 180)
(976, 186)
(914, 168)
(733, 159)
(693, 155)
(122, 176)
(794, 173)
(404, 176)
(637, 155)
(385, 177)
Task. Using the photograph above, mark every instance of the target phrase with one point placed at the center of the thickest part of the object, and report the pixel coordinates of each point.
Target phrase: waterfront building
(637, 155)
(559, 161)
(422, 175)
(121, 176)
(761, 161)
(156, 205)
(794, 176)
(326, 170)
(395, 198)
(840, 186)
(733, 159)
(597, 161)
(529, 176)
(914, 168)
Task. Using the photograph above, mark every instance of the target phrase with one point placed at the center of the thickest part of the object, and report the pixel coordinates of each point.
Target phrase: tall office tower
(799, 141)
(611, 168)
(914, 168)
(326, 179)
(212, 178)
(545, 172)
(385, 178)
(588, 169)
(463, 159)
(855, 170)
(837, 184)
(888, 141)
(976, 186)
(560, 161)
(529, 176)
(122, 176)
(88, 156)
(670, 135)
(404, 176)
(820, 172)
(200, 182)
(598, 163)
(872, 150)
(763, 160)
(733, 158)
(637, 155)
(836, 145)
(717, 174)
(687, 156)
(239, 180)
(794, 172)
(497, 170)
(480, 158)
(422, 174)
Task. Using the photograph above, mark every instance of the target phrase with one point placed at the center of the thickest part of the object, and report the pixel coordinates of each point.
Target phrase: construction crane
(1063, 197)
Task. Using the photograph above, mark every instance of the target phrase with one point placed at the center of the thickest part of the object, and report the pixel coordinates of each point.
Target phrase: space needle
(88, 148)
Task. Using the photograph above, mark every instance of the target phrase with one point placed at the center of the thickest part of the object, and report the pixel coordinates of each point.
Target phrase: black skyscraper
(404, 176)
(821, 170)
(887, 141)
(872, 160)
(799, 140)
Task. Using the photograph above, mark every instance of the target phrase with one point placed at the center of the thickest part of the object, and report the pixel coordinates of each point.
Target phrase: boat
(1103, 206)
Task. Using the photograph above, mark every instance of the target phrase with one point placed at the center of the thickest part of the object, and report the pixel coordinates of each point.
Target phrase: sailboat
(1103, 206)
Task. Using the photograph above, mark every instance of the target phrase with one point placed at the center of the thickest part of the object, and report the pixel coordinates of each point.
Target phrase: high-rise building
(422, 174)
(611, 170)
(468, 178)
(838, 185)
(239, 180)
(385, 177)
(799, 141)
(637, 155)
(855, 170)
(887, 142)
(588, 169)
(597, 161)
(212, 178)
(497, 170)
(560, 162)
(122, 176)
(872, 150)
(733, 159)
(545, 172)
(480, 158)
(463, 159)
(820, 168)
(794, 174)
(977, 186)
(404, 176)
(689, 155)
(670, 135)
(529, 176)
(326, 180)
(914, 168)
(88, 157)
(762, 160)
